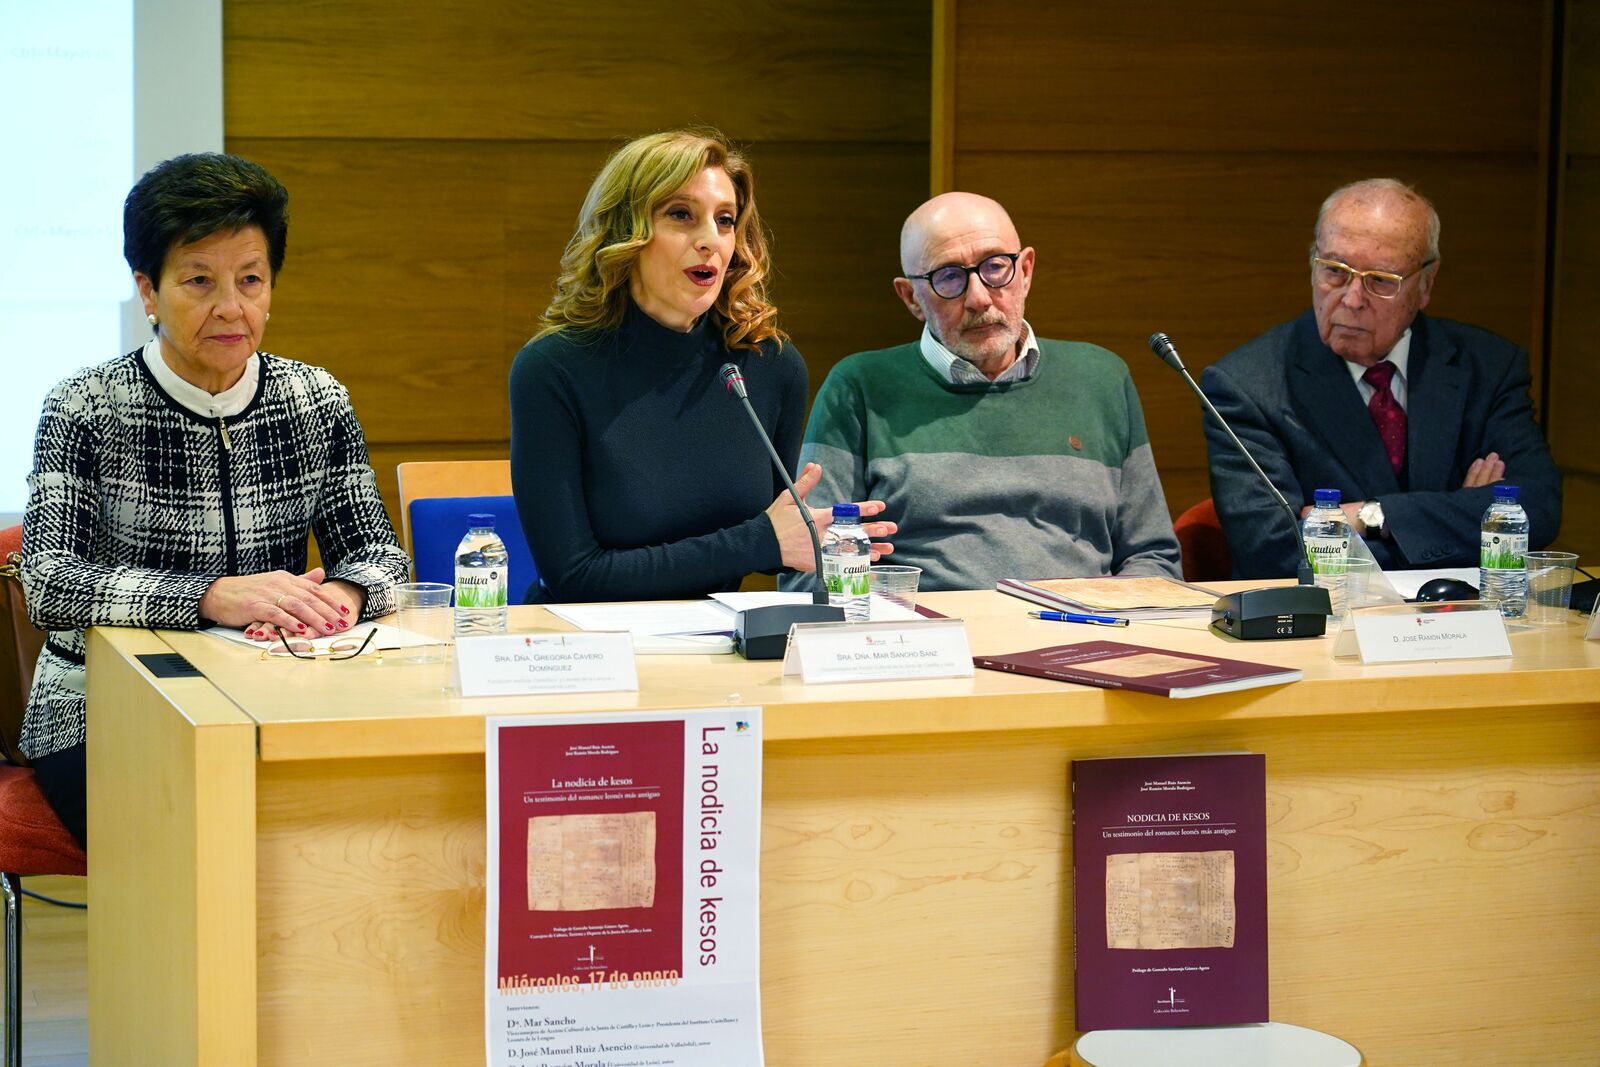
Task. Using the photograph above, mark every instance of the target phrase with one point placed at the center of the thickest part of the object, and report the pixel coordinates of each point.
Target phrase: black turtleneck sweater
(637, 476)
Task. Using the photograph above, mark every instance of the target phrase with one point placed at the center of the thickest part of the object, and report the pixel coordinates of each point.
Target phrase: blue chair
(435, 499)
(437, 524)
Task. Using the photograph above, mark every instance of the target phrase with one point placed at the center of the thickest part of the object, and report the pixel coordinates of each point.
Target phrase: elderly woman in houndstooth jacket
(175, 486)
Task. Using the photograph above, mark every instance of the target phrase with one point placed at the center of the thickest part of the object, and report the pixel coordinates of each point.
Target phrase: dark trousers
(61, 777)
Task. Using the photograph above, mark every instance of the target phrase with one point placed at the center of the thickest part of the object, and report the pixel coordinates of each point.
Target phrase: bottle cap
(847, 511)
(1506, 492)
(1327, 498)
(480, 519)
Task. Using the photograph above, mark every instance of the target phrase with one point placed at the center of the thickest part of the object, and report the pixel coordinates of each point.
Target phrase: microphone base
(1275, 612)
(763, 633)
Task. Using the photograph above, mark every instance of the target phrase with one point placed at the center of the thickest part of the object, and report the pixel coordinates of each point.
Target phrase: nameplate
(1429, 632)
(516, 664)
(821, 652)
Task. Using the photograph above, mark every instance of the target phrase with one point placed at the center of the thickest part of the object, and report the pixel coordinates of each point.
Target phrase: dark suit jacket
(1293, 403)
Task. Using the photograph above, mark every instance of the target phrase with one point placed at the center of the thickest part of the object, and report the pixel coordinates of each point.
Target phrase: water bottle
(480, 579)
(1327, 533)
(846, 558)
(1502, 571)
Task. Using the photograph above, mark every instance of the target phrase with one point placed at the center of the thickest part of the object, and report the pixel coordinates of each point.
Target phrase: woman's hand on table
(302, 605)
(794, 540)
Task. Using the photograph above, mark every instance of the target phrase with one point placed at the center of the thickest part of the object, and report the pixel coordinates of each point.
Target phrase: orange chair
(1205, 551)
(32, 839)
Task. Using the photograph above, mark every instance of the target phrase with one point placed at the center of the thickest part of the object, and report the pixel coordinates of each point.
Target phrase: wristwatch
(1371, 516)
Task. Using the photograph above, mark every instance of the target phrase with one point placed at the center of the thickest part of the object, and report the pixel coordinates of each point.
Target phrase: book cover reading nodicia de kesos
(1169, 857)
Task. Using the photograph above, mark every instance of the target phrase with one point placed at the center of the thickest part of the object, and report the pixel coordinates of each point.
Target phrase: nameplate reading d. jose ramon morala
(878, 651)
(516, 664)
(1417, 632)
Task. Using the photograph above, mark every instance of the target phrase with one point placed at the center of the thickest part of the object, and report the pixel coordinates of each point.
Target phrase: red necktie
(1387, 414)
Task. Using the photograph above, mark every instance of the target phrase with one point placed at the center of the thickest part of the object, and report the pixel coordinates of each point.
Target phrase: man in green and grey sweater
(1000, 455)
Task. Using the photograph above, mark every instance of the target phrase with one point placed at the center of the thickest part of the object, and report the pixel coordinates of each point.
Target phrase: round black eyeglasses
(950, 280)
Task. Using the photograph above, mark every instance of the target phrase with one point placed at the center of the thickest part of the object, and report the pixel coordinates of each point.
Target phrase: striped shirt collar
(953, 369)
(225, 404)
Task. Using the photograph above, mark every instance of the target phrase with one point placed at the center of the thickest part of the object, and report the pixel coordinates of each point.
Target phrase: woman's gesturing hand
(303, 605)
(794, 540)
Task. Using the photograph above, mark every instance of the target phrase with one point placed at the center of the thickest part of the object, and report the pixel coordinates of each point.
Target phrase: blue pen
(1067, 616)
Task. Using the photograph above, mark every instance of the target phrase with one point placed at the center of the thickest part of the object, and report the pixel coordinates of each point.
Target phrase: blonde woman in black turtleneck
(636, 476)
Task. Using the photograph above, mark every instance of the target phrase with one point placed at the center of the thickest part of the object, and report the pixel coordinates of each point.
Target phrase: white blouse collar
(225, 404)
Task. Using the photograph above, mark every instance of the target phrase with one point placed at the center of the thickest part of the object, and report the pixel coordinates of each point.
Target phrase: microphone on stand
(763, 633)
(1301, 610)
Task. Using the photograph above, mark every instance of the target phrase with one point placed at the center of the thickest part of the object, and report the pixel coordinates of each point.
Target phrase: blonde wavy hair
(615, 224)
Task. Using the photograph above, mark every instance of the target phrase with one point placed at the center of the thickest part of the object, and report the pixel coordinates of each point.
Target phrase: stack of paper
(880, 609)
(691, 626)
(666, 618)
(389, 637)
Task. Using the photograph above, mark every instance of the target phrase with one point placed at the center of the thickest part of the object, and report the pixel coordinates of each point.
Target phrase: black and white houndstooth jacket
(136, 504)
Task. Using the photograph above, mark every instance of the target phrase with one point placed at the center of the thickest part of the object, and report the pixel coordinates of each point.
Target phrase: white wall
(96, 92)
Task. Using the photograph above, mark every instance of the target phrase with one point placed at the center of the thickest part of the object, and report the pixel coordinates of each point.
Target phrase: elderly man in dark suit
(1411, 418)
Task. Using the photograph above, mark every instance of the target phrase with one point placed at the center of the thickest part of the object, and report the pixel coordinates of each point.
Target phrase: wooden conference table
(289, 857)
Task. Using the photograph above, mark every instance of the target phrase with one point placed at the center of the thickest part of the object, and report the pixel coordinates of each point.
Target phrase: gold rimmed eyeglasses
(340, 648)
(1330, 274)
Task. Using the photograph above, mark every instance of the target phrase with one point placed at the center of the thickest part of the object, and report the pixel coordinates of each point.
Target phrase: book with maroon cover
(1115, 665)
(1169, 858)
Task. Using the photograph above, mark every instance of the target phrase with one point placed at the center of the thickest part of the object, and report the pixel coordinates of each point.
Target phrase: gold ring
(279, 602)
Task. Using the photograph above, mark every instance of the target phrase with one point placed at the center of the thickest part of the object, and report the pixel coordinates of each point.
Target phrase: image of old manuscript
(589, 862)
(1121, 594)
(1147, 665)
(1170, 900)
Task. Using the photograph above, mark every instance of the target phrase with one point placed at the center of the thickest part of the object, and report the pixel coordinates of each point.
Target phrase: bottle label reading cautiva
(1502, 551)
(1327, 554)
(480, 587)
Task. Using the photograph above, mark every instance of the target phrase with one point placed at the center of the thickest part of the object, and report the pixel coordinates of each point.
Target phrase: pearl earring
(151, 319)
(268, 317)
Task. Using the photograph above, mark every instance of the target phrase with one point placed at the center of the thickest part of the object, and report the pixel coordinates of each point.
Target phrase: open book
(1129, 597)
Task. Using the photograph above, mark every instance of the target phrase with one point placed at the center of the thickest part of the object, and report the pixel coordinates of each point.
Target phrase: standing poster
(624, 890)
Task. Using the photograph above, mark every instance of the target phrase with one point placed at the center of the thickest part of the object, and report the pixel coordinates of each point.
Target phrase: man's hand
(1485, 471)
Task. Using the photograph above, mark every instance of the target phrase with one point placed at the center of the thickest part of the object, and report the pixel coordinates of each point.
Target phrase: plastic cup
(895, 585)
(1549, 586)
(1348, 584)
(423, 608)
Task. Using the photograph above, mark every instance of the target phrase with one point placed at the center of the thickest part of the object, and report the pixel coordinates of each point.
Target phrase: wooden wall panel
(1574, 382)
(1574, 385)
(825, 70)
(941, 143)
(436, 157)
(395, 280)
(835, 213)
(1167, 160)
(1247, 75)
(1581, 114)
